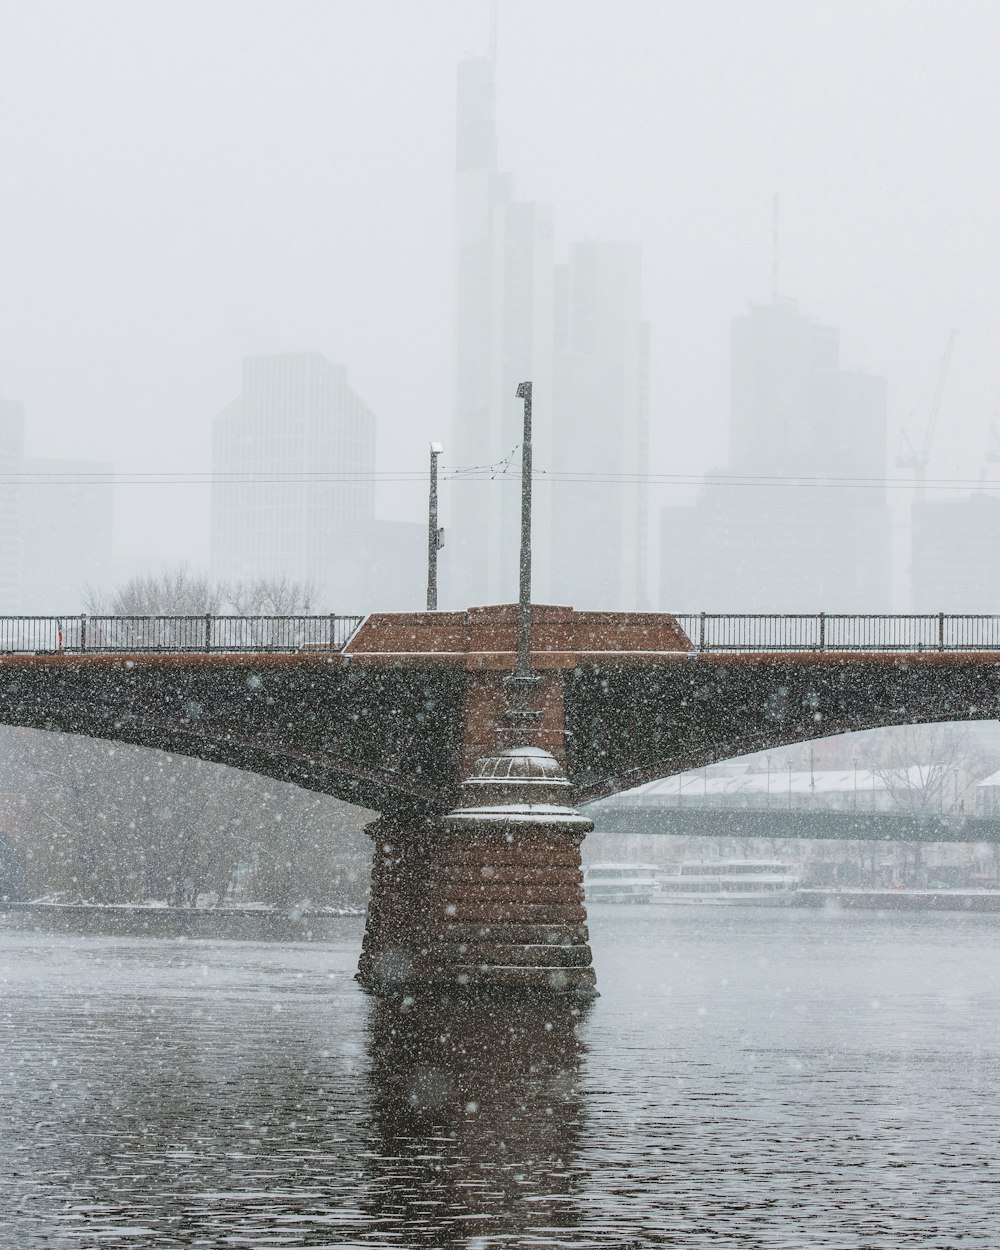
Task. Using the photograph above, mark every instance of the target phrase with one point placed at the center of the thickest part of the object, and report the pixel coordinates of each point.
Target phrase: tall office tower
(955, 555)
(600, 426)
(293, 459)
(66, 520)
(764, 545)
(11, 460)
(503, 336)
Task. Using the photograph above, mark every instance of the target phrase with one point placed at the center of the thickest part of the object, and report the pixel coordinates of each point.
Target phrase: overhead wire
(502, 470)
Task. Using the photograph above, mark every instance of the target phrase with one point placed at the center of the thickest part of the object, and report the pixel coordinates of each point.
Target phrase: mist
(185, 186)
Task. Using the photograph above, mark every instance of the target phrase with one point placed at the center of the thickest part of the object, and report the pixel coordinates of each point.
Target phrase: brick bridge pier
(489, 895)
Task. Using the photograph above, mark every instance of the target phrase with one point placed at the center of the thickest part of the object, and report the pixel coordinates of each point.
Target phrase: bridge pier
(490, 897)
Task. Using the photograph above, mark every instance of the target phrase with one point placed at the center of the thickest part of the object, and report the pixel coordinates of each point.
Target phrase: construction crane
(916, 458)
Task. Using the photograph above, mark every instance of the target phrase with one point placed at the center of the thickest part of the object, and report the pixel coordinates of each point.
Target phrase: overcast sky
(182, 184)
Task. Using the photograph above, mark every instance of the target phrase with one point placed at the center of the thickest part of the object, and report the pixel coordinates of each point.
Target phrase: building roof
(700, 783)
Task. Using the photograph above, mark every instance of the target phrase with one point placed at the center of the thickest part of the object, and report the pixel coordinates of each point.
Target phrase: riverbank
(254, 924)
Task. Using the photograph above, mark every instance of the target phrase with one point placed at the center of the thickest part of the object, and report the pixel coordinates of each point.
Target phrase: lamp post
(524, 589)
(523, 679)
(435, 535)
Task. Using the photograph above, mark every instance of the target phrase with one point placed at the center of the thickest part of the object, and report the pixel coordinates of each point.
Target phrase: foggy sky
(186, 183)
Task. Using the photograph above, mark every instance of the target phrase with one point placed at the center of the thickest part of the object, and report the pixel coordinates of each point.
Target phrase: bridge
(476, 870)
(778, 822)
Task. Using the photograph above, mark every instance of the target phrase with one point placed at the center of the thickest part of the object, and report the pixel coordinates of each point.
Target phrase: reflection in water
(767, 1080)
(476, 1116)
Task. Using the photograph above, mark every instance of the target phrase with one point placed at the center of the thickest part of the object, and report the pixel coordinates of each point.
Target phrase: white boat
(620, 883)
(745, 882)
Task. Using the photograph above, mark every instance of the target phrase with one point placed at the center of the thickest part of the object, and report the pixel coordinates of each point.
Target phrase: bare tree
(181, 592)
(269, 596)
(177, 592)
(925, 768)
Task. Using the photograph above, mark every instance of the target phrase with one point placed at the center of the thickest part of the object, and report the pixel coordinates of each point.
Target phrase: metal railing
(41, 635)
(708, 631)
(824, 631)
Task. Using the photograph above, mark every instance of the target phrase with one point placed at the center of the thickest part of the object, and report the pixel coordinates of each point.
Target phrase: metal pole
(524, 596)
(435, 536)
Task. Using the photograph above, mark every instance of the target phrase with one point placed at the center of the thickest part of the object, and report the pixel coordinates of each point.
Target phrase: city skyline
(322, 269)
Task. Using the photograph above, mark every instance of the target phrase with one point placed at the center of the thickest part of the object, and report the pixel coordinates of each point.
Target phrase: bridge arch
(630, 725)
(381, 739)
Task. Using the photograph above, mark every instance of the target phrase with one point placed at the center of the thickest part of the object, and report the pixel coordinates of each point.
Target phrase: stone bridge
(476, 872)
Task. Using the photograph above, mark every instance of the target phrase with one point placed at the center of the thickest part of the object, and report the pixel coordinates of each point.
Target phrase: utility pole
(524, 597)
(435, 535)
(519, 684)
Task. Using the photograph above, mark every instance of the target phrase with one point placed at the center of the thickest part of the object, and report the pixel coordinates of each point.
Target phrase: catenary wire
(501, 471)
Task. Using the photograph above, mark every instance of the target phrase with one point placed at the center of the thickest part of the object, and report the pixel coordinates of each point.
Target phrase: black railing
(42, 635)
(825, 631)
(707, 631)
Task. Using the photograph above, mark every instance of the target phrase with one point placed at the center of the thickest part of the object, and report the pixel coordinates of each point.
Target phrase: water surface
(747, 1079)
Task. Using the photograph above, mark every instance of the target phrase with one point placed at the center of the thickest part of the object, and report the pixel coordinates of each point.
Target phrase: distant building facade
(779, 529)
(66, 524)
(293, 493)
(575, 331)
(57, 520)
(11, 462)
(955, 555)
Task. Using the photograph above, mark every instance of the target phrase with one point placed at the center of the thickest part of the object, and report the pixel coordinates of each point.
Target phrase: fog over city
(186, 185)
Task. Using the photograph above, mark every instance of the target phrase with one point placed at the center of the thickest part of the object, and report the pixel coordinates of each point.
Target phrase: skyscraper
(575, 331)
(600, 429)
(293, 460)
(780, 529)
(503, 329)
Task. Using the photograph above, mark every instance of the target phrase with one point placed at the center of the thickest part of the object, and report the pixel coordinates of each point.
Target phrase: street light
(524, 588)
(523, 679)
(435, 535)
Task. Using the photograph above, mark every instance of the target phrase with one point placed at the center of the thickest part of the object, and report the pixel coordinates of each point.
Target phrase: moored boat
(620, 883)
(745, 882)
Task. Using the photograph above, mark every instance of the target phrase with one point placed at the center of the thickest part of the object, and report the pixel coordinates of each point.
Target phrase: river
(757, 1078)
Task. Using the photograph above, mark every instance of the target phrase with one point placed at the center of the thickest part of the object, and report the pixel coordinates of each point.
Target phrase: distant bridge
(777, 822)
